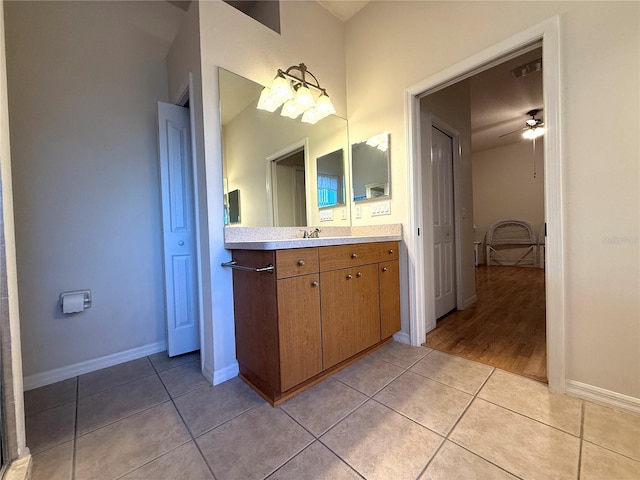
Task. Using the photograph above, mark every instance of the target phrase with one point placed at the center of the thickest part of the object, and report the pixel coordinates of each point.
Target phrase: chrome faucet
(311, 233)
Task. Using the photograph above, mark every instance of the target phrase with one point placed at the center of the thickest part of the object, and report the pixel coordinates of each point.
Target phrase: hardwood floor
(505, 328)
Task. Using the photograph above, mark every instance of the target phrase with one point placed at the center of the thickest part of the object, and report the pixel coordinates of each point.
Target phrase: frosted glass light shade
(267, 101)
(281, 90)
(304, 99)
(324, 105)
(291, 109)
(311, 116)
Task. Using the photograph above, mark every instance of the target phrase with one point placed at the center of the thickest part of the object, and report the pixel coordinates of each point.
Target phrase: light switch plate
(326, 215)
(381, 208)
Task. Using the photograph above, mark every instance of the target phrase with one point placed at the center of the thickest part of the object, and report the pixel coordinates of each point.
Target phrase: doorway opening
(501, 319)
(287, 186)
(420, 235)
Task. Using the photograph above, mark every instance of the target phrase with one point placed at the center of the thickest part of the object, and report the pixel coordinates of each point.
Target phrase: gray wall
(84, 79)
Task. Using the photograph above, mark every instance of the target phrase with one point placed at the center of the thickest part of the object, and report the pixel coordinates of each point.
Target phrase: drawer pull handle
(314, 284)
(349, 277)
(300, 263)
(359, 274)
(384, 269)
(391, 251)
(354, 255)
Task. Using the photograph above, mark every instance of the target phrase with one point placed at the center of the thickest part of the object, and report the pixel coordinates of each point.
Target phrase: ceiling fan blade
(504, 135)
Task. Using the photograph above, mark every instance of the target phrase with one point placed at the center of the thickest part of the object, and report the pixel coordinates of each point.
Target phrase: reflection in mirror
(331, 179)
(234, 206)
(253, 144)
(370, 167)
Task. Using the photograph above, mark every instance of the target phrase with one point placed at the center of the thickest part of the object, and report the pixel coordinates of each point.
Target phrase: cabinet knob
(391, 251)
(359, 274)
(384, 269)
(300, 262)
(354, 255)
(314, 284)
(349, 277)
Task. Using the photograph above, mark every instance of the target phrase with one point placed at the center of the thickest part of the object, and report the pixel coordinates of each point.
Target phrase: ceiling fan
(534, 127)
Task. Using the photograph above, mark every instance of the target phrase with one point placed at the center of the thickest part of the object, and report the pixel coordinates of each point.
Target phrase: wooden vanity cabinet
(322, 308)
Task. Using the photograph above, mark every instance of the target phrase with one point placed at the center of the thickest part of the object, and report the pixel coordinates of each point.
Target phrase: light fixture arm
(302, 79)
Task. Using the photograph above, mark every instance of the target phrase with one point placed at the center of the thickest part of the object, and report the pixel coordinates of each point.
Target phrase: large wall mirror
(370, 168)
(277, 163)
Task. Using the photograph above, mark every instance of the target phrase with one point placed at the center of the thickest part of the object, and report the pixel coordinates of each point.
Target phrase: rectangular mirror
(370, 168)
(331, 191)
(258, 150)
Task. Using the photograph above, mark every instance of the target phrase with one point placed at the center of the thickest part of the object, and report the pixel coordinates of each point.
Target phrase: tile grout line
(582, 411)
(193, 439)
(74, 440)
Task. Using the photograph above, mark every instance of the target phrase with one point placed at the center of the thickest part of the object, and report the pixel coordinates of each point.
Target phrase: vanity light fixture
(292, 90)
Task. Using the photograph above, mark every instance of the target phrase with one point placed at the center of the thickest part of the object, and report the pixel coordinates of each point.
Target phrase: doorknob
(180, 243)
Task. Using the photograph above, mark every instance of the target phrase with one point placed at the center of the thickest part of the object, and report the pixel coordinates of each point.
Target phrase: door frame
(428, 121)
(271, 182)
(555, 279)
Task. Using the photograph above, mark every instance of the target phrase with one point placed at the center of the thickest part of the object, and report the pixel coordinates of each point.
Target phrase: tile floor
(399, 413)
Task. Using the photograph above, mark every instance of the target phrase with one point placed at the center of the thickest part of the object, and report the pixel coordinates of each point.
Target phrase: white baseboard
(63, 373)
(402, 337)
(226, 373)
(469, 301)
(605, 397)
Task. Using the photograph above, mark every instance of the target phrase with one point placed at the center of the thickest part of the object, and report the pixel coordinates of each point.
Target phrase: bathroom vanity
(303, 312)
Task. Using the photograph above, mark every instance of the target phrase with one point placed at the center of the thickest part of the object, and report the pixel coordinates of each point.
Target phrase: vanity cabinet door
(389, 274)
(299, 329)
(350, 312)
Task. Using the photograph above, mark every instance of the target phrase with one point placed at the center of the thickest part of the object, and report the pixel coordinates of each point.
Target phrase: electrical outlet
(358, 211)
(343, 213)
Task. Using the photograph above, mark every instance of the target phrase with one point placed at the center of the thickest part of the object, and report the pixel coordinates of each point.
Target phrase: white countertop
(308, 242)
(269, 238)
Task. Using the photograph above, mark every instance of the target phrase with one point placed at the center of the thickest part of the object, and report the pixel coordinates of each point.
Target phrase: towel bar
(233, 264)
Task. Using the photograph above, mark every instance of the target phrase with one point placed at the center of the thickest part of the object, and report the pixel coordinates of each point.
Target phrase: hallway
(505, 328)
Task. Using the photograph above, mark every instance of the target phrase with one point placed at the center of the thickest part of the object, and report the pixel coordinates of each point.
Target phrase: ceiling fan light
(533, 133)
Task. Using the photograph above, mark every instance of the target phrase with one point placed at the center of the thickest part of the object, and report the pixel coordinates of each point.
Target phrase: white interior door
(178, 227)
(443, 222)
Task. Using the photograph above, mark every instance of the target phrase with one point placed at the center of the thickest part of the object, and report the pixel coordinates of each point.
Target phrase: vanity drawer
(343, 256)
(296, 261)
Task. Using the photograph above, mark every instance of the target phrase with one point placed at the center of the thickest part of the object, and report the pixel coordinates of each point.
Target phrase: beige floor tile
(368, 375)
(50, 428)
(110, 377)
(323, 405)
(254, 444)
(100, 409)
(454, 371)
(209, 407)
(121, 447)
(454, 462)
(183, 379)
(53, 464)
(535, 400)
(400, 354)
(162, 361)
(613, 429)
(382, 444)
(432, 404)
(524, 447)
(183, 463)
(49, 396)
(601, 464)
(313, 463)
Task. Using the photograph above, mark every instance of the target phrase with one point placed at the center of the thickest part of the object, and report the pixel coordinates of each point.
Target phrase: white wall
(231, 40)
(84, 79)
(504, 187)
(600, 100)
